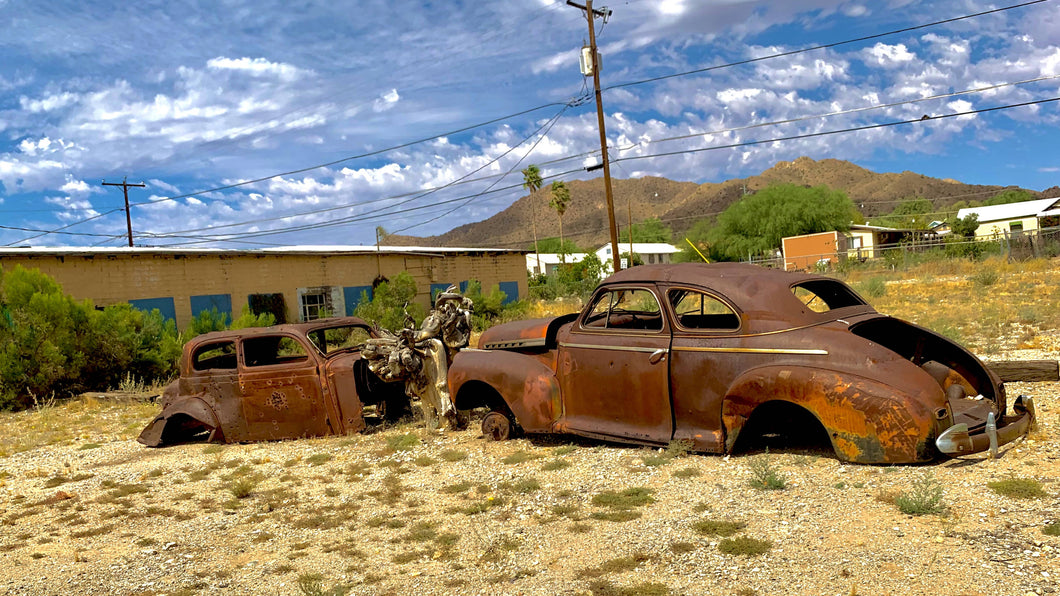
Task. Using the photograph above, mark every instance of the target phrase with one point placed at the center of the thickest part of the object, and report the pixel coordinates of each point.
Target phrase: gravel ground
(404, 511)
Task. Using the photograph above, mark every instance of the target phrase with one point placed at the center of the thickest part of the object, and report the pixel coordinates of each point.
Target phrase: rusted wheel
(497, 426)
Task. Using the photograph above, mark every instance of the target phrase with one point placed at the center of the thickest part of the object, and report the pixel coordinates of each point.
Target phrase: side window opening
(272, 349)
(823, 295)
(632, 309)
(699, 310)
(217, 355)
(334, 339)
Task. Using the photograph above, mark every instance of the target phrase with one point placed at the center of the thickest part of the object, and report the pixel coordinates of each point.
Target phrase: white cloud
(889, 56)
(49, 103)
(386, 101)
(257, 67)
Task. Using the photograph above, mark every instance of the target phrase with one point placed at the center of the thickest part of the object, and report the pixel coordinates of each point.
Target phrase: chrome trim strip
(612, 348)
(752, 350)
(516, 343)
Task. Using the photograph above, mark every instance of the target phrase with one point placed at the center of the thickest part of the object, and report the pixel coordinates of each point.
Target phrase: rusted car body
(706, 352)
(281, 382)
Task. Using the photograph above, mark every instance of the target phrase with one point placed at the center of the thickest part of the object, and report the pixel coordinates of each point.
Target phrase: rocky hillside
(680, 204)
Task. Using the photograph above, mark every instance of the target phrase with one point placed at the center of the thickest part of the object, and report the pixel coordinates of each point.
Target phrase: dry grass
(948, 297)
(85, 419)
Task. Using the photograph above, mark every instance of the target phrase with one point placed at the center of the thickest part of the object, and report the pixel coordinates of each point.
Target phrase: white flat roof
(1010, 210)
(644, 247)
(322, 249)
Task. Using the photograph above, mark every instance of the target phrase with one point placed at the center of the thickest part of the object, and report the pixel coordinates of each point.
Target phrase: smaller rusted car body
(704, 352)
(269, 383)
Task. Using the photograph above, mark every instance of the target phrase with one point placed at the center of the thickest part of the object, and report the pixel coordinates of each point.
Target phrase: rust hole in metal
(278, 400)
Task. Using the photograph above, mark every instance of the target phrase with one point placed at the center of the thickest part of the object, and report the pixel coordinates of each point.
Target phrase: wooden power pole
(590, 15)
(125, 189)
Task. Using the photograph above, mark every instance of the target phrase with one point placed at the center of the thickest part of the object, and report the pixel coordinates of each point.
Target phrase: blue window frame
(352, 297)
(511, 291)
(222, 302)
(163, 305)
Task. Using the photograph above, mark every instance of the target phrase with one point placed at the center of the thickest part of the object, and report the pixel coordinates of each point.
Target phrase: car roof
(750, 287)
(295, 328)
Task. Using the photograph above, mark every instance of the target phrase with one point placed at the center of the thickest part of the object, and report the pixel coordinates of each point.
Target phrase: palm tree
(560, 199)
(532, 182)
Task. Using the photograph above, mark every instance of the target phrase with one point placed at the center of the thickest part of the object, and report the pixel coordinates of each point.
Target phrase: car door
(613, 367)
(705, 357)
(280, 389)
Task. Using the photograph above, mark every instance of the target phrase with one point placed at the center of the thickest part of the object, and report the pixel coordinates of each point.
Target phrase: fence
(1016, 246)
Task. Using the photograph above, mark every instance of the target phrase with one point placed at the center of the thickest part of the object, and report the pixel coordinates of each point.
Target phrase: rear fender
(527, 386)
(866, 421)
(192, 408)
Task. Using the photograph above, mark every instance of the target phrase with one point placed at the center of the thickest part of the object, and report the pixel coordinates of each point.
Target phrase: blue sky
(193, 96)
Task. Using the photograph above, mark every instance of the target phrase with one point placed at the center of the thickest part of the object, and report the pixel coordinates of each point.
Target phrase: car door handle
(657, 356)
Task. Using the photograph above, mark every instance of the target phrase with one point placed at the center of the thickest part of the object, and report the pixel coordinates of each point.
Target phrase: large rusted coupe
(714, 354)
(282, 382)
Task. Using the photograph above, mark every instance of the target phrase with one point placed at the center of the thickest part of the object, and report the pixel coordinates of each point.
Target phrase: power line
(840, 112)
(384, 213)
(495, 182)
(822, 47)
(466, 180)
(844, 130)
(359, 156)
(367, 217)
(575, 102)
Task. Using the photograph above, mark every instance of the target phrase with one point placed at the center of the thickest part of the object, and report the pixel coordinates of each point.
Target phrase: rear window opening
(823, 295)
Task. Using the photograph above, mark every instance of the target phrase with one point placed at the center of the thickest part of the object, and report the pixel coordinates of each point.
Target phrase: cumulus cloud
(889, 56)
(386, 101)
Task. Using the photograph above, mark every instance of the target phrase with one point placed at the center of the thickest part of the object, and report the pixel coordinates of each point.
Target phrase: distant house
(1015, 218)
(549, 261)
(651, 253)
(860, 242)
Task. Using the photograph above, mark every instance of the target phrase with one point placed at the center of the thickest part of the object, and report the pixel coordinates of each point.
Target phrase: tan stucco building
(300, 282)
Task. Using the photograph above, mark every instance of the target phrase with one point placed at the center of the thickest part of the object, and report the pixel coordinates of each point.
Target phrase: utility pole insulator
(125, 189)
(590, 14)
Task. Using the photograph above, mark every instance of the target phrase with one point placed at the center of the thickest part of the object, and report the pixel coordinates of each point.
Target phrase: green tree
(559, 201)
(389, 301)
(1009, 195)
(532, 182)
(652, 230)
(552, 245)
(913, 214)
(757, 223)
(964, 226)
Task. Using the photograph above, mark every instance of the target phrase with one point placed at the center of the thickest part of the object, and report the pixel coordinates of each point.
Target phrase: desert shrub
(248, 319)
(745, 546)
(923, 498)
(51, 344)
(1018, 488)
(490, 307)
(207, 321)
(765, 475)
(874, 287)
(1052, 529)
(389, 303)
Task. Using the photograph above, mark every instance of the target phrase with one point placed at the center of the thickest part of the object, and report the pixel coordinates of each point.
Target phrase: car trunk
(973, 391)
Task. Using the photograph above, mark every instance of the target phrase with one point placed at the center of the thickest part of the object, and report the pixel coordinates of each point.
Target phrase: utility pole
(590, 15)
(125, 189)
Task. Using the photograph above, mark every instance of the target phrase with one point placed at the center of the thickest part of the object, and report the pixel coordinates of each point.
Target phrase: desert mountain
(681, 204)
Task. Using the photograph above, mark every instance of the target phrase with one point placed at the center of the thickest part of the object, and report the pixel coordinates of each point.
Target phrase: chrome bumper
(956, 440)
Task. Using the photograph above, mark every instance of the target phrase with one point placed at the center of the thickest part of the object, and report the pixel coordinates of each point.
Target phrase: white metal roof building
(1019, 217)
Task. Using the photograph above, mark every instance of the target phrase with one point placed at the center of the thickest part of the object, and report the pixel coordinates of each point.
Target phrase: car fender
(867, 421)
(192, 407)
(527, 386)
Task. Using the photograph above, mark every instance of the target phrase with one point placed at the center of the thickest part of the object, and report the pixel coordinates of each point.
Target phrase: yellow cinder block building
(294, 283)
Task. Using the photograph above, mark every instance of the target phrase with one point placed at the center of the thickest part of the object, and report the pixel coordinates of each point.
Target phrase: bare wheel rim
(496, 426)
